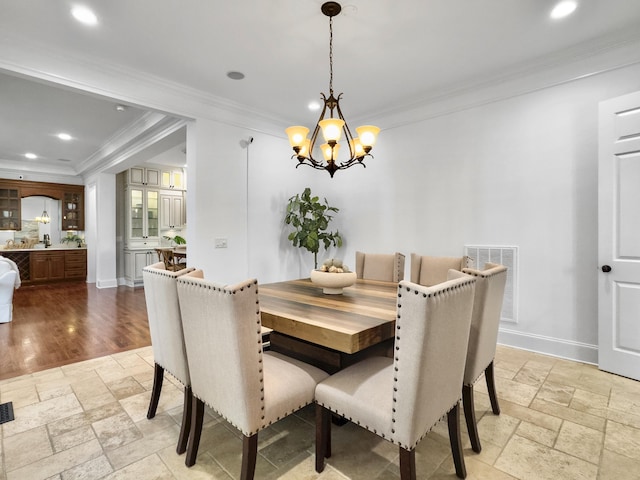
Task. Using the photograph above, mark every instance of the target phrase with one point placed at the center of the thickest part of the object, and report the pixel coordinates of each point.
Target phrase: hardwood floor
(63, 323)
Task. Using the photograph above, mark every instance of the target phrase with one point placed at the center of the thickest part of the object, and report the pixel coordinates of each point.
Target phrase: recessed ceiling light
(31, 156)
(235, 75)
(84, 15)
(314, 105)
(64, 136)
(120, 108)
(563, 9)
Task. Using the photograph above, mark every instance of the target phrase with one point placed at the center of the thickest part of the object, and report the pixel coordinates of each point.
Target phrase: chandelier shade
(333, 126)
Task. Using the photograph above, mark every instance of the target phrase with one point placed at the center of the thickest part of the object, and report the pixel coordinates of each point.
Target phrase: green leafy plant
(177, 239)
(72, 238)
(310, 218)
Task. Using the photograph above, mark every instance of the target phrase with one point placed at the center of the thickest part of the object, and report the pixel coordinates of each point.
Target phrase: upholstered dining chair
(380, 266)
(401, 399)
(483, 337)
(230, 372)
(167, 339)
(428, 270)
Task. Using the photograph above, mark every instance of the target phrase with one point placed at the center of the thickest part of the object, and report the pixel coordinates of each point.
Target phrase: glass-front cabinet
(143, 214)
(73, 211)
(173, 179)
(10, 209)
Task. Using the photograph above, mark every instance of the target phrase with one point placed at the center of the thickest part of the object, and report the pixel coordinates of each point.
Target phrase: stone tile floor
(560, 420)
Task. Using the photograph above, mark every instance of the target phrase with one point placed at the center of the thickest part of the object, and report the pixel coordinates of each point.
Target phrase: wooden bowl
(333, 283)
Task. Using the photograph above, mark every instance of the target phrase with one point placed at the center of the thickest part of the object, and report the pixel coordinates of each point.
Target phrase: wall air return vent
(507, 256)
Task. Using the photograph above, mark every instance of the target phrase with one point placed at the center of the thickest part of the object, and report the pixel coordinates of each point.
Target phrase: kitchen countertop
(40, 249)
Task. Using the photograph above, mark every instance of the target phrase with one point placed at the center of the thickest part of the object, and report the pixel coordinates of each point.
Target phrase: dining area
(88, 419)
(392, 356)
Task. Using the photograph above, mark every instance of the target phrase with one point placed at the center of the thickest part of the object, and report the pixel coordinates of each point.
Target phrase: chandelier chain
(330, 55)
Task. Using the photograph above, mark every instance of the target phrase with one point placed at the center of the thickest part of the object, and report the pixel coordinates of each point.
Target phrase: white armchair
(9, 281)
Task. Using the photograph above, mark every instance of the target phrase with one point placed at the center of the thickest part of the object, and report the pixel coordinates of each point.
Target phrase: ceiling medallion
(332, 127)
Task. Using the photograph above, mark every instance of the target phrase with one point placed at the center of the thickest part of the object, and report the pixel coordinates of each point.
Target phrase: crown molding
(128, 154)
(13, 171)
(29, 58)
(572, 64)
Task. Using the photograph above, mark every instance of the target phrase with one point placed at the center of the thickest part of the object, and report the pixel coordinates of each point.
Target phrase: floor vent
(6, 412)
(507, 256)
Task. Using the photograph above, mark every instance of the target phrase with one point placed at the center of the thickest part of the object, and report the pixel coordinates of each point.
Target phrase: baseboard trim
(112, 283)
(557, 347)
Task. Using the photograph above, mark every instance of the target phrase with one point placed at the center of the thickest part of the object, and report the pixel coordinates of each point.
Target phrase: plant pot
(333, 283)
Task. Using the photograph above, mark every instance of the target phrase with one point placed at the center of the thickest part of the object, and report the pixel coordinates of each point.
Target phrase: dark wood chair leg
(491, 387)
(453, 419)
(470, 417)
(197, 416)
(407, 464)
(158, 377)
(323, 436)
(249, 455)
(186, 421)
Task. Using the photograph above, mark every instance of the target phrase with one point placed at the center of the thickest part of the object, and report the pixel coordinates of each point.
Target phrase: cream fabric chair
(402, 398)
(483, 337)
(167, 339)
(428, 271)
(9, 281)
(380, 266)
(230, 372)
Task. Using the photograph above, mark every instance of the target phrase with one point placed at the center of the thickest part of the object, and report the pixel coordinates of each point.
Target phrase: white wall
(520, 171)
(100, 233)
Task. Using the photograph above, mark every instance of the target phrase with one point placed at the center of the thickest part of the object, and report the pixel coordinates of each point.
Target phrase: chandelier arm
(347, 132)
(314, 136)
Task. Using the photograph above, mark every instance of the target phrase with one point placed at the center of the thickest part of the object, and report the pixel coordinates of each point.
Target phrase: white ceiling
(387, 53)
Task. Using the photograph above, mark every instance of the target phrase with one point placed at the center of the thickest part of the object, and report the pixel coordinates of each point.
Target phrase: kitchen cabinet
(47, 266)
(52, 265)
(143, 176)
(70, 196)
(143, 217)
(73, 210)
(173, 179)
(171, 211)
(134, 261)
(10, 209)
(75, 264)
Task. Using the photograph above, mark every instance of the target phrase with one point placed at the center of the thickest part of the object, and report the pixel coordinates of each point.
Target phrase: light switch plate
(220, 243)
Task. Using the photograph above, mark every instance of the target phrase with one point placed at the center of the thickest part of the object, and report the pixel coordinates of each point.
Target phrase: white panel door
(619, 236)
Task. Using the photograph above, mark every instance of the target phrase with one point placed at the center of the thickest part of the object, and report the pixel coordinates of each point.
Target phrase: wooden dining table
(329, 331)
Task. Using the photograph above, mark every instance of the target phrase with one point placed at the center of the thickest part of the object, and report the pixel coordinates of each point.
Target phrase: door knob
(606, 268)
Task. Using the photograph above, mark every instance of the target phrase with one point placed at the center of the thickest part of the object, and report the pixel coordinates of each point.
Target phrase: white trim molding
(557, 347)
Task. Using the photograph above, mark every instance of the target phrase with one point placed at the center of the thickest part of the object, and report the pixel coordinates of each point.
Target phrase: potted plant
(310, 218)
(72, 237)
(177, 239)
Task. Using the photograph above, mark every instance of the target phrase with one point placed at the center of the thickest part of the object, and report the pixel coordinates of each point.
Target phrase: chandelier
(332, 127)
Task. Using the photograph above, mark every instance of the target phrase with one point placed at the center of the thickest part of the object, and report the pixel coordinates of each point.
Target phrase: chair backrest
(380, 266)
(432, 333)
(8, 265)
(165, 322)
(485, 321)
(429, 271)
(224, 348)
(4, 267)
(166, 256)
(7, 285)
